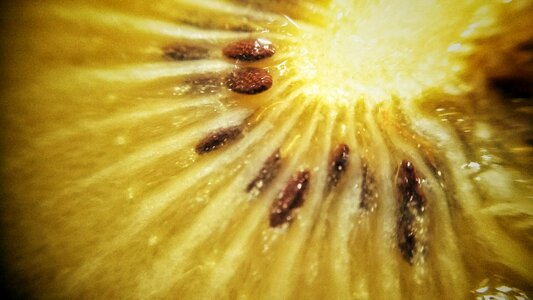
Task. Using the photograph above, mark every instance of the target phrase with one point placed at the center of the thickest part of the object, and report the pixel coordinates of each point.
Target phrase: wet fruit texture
(245, 149)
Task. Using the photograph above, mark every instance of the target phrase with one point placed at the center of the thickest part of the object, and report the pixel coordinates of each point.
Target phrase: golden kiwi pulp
(246, 149)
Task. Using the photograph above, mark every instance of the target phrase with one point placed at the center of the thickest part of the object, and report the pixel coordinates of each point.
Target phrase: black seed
(338, 164)
(411, 206)
(267, 173)
(411, 193)
(512, 87)
(526, 46)
(406, 238)
(249, 50)
(185, 52)
(249, 81)
(289, 199)
(218, 139)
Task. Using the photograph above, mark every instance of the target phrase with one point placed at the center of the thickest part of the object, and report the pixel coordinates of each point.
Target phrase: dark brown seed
(249, 50)
(526, 46)
(249, 81)
(411, 206)
(338, 164)
(267, 173)
(185, 52)
(218, 139)
(411, 193)
(513, 87)
(289, 199)
(406, 238)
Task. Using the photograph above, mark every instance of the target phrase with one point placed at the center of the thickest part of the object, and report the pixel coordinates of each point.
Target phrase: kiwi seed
(412, 204)
(249, 50)
(218, 139)
(249, 80)
(289, 199)
(339, 163)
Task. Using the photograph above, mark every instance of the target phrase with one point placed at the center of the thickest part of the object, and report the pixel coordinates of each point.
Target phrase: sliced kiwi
(243, 149)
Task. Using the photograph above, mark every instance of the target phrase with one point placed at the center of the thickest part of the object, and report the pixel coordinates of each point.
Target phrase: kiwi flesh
(245, 149)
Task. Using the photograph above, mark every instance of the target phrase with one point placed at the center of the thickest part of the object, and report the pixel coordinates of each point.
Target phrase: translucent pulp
(378, 50)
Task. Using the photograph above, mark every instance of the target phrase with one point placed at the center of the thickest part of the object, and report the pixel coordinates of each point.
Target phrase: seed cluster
(243, 80)
(252, 80)
(249, 80)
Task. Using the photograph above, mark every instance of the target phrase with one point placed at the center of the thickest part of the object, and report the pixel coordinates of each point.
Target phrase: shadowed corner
(11, 288)
(13, 285)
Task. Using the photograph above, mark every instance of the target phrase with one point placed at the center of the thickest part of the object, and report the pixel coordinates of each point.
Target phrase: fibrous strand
(185, 52)
(267, 173)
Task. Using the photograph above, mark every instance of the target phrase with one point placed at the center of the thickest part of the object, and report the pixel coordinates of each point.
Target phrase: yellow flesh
(106, 197)
(375, 51)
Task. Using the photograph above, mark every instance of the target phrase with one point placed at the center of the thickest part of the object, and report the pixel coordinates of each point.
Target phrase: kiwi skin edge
(105, 195)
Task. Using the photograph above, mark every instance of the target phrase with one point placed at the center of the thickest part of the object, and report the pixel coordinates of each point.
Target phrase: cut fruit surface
(246, 149)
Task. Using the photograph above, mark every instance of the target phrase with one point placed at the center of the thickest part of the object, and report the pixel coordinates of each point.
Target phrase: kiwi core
(378, 50)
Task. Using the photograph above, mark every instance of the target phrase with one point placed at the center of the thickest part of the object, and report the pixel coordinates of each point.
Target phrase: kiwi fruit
(248, 149)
